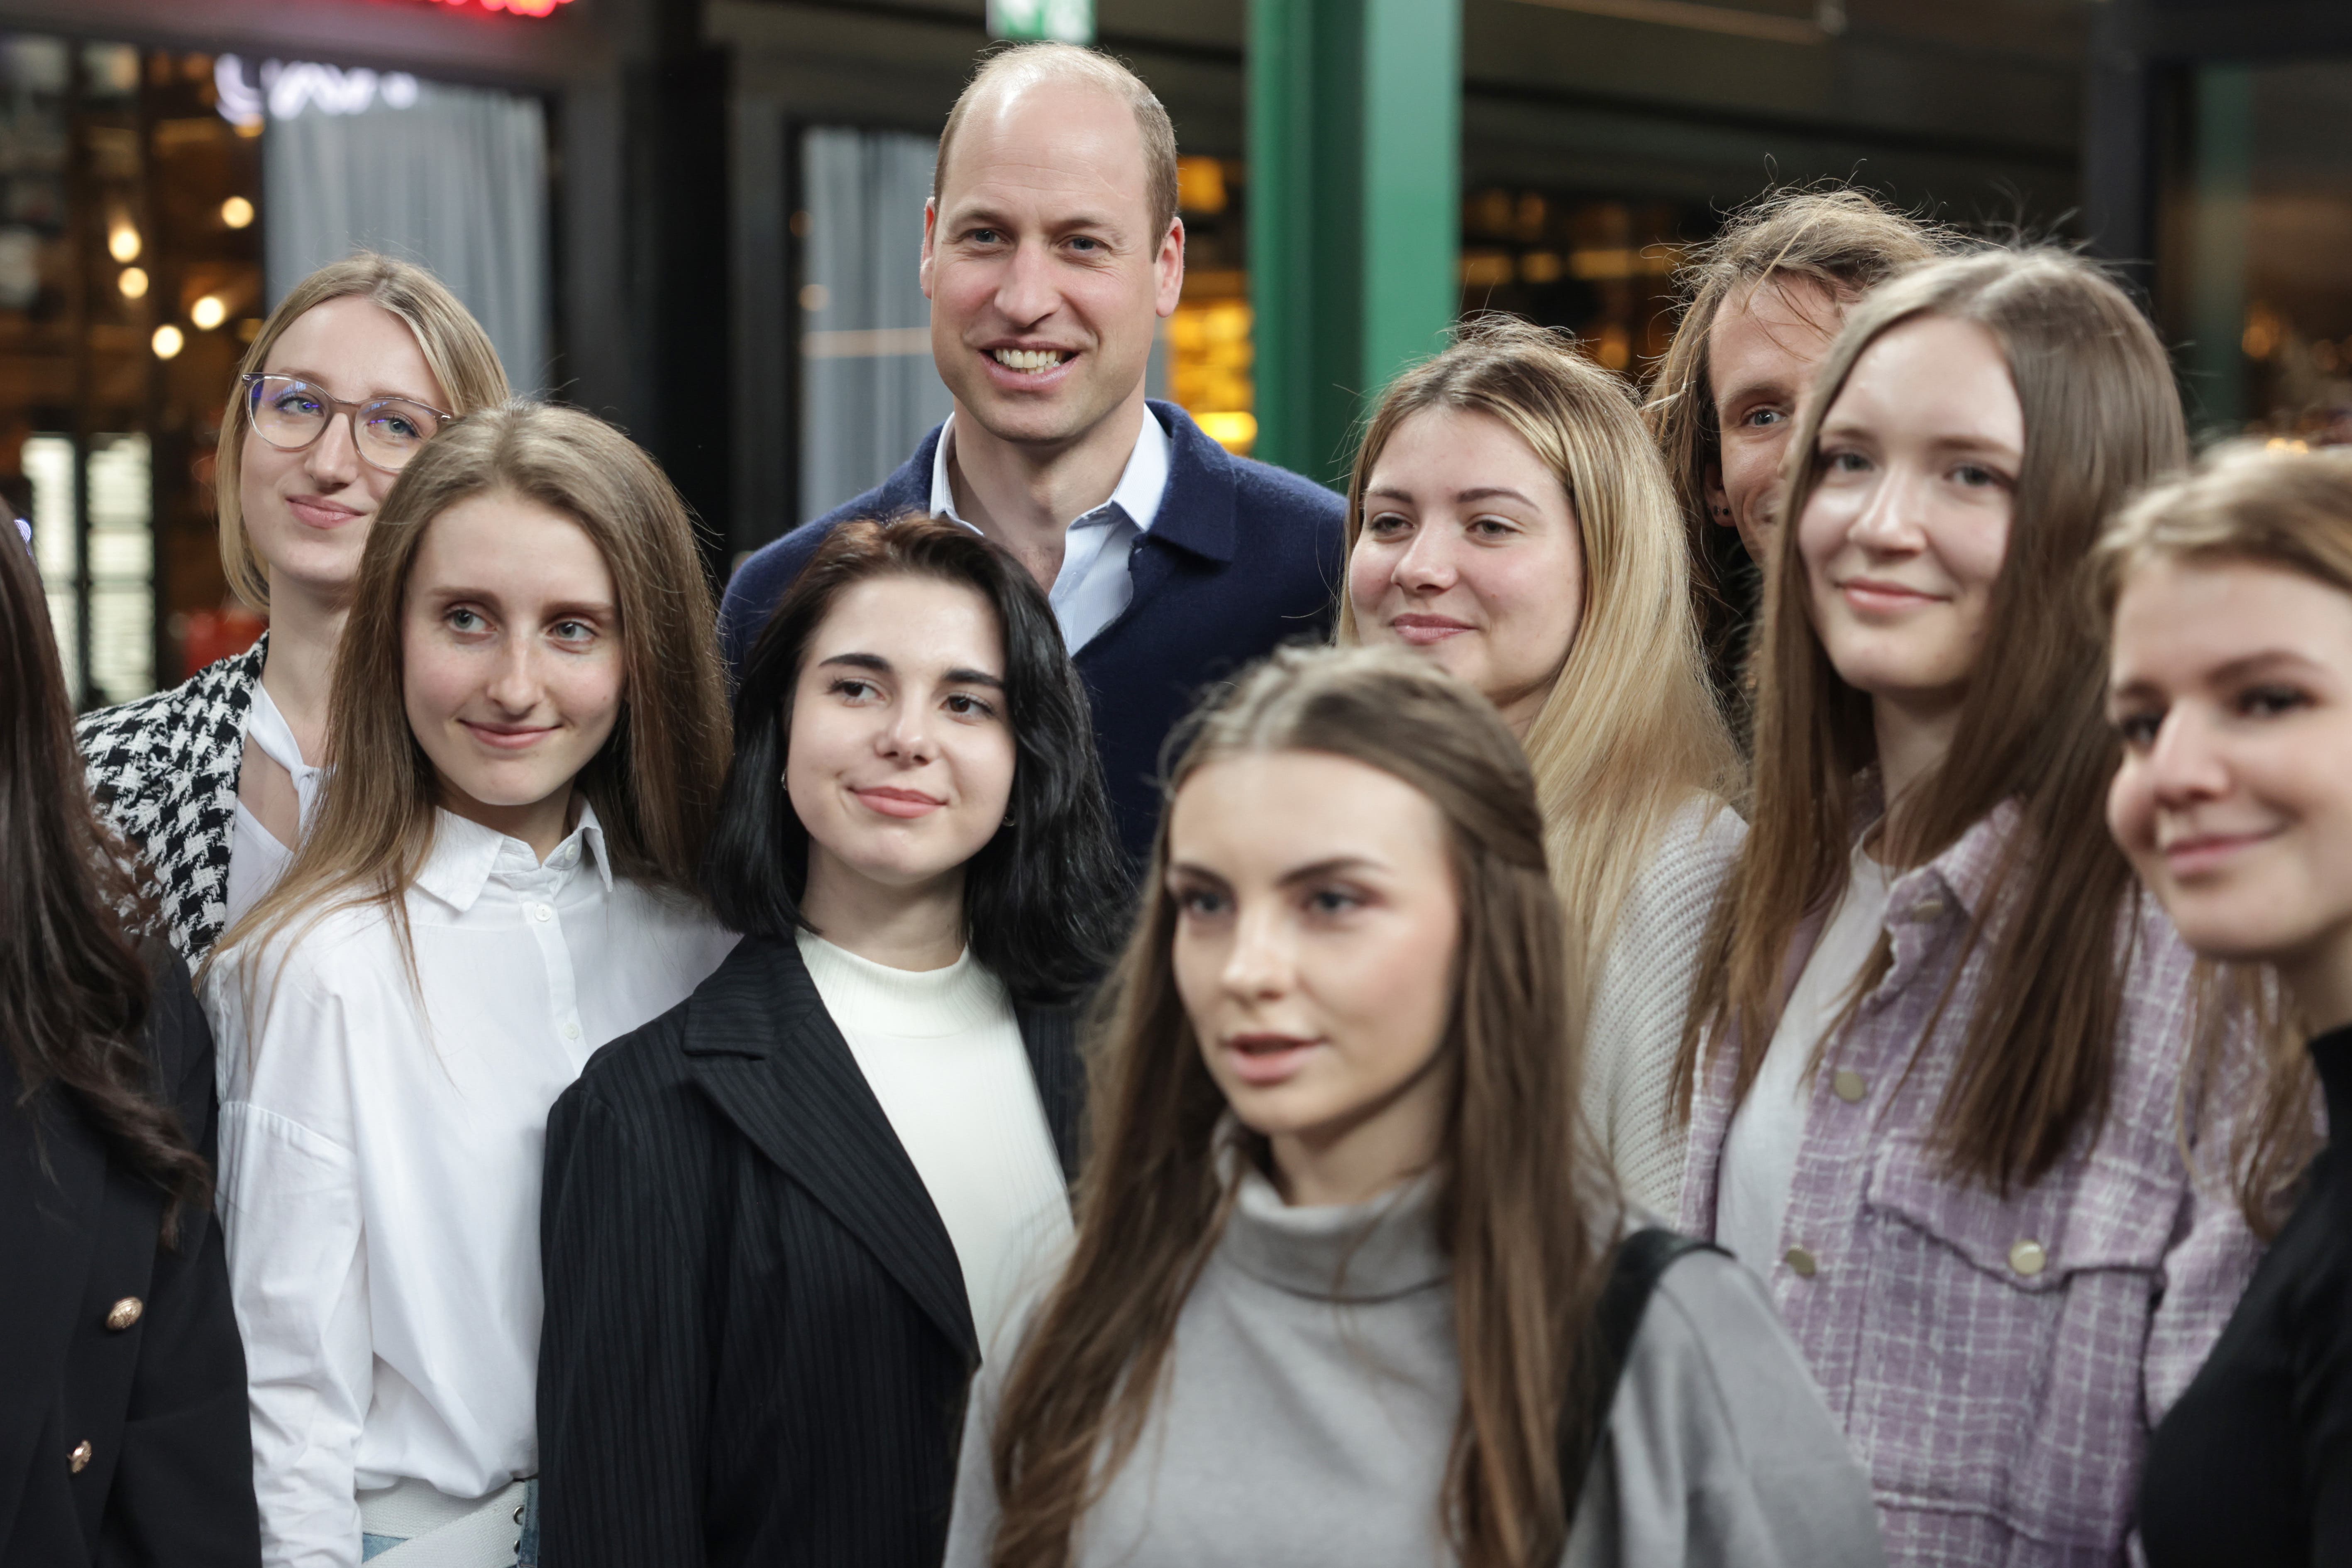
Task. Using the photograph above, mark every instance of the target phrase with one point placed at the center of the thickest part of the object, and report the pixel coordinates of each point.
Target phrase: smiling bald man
(1052, 249)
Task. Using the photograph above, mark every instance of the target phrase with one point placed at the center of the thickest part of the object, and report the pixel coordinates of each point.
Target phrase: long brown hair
(454, 347)
(2291, 511)
(74, 994)
(2101, 418)
(1521, 1204)
(656, 782)
(1839, 243)
(1629, 733)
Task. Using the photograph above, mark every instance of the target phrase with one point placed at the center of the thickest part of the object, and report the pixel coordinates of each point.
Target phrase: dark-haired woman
(123, 1435)
(1348, 1285)
(782, 1220)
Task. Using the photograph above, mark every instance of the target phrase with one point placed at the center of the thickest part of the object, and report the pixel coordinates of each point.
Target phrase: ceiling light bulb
(168, 341)
(133, 283)
(209, 312)
(237, 212)
(122, 242)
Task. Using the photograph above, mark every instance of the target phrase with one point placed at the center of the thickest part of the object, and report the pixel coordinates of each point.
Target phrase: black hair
(74, 991)
(1047, 901)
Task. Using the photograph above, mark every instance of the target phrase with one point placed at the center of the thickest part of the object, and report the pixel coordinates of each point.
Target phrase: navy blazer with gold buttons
(123, 1431)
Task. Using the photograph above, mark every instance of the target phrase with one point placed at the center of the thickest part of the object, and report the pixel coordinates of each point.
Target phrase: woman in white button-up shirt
(530, 728)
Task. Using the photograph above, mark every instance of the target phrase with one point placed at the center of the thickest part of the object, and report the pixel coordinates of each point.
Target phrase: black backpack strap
(1643, 1258)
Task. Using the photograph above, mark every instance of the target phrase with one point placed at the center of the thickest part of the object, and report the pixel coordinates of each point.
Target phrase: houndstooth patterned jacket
(163, 773)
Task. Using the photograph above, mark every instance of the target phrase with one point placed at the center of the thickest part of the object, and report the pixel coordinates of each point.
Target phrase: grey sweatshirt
(1313, 1390)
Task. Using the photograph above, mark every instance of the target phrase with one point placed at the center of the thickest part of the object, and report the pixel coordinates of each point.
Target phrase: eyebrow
(454, 593)
(2249, 664)
(315, 379)
(1851, 428)
(2240, 669)
(984, 214)
(958, 675)
(1477, 493)
(1332, 865)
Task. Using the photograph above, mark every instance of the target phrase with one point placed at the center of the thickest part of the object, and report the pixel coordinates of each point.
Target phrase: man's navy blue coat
(1241, 558)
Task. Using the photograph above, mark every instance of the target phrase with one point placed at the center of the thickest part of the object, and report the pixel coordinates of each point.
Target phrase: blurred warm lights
(208, 312)
(237, 212)
(1231, 429)
(122, 241)
(168, 341)
(134, 283)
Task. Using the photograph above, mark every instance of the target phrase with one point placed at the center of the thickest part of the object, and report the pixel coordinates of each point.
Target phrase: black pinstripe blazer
(757, 1341)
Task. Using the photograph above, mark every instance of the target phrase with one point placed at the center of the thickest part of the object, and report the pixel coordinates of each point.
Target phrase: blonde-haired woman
(529, 727)
(2229, 600)
(1509, 517)
(362, 363)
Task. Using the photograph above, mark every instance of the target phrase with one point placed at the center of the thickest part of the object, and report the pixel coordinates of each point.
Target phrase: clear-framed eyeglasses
(290, 413)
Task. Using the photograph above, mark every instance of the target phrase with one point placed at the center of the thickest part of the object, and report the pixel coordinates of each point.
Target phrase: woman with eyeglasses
(214, 781)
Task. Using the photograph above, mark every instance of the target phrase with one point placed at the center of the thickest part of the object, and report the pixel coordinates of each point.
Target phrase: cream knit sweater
(1636, 1022)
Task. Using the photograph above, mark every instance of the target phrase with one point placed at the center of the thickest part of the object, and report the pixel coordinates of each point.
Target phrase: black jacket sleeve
(626, 1359)
(182, 1491)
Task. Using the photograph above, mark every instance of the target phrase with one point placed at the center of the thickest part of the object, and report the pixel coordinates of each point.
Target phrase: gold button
(1927, 909)
(124, 1313)
(2028, 1257)
(1849, 1085)
(78, 1461)
(1801, 1262)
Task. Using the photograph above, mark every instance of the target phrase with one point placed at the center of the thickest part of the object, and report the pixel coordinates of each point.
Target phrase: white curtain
(869, 389)
(452, 178)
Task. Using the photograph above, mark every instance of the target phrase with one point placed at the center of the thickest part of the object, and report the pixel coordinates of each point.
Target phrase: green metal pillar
(1355, 136)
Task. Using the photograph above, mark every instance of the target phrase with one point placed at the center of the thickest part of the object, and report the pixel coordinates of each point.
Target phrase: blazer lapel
(760, 1043)
(49, 1230)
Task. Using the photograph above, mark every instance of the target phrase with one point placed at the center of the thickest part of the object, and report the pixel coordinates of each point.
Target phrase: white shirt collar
(1142, 484)
(465, 855)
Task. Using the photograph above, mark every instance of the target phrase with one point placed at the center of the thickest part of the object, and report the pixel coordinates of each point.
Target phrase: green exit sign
(1064, 21)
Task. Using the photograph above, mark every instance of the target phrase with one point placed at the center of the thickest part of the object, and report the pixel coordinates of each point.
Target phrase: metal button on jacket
(1849, 1085)
(2028, 1257)
(78, 1461)
(124, 1313)
(1801, 1262)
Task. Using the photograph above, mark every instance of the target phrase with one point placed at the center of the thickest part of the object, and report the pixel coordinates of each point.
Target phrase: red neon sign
(518, 7)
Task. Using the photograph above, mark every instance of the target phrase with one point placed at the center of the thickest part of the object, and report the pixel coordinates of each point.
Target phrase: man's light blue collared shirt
(1093, 586)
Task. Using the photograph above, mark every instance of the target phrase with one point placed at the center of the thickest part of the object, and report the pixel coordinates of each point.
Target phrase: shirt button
(1801, 1262)
(1927, 909)
(78, 1461)
(124, 1313)
(1848, 1085)
(571, 1031)
(542, 913)
(2028, 1257)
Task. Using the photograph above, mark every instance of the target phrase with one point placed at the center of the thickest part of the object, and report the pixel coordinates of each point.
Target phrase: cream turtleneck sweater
(942, 1052)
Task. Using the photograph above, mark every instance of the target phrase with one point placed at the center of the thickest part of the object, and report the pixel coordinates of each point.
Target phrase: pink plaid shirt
(1998, 1366)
